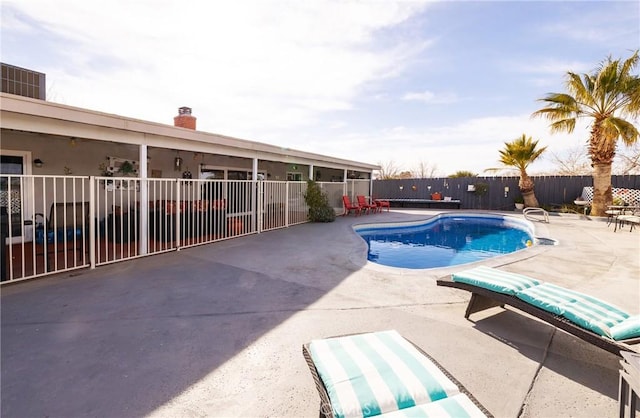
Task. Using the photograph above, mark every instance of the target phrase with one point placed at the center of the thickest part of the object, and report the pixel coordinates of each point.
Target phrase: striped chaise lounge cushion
(495, 280)
(588, 312)
(379, 373)
(583, 310)
(627, 329)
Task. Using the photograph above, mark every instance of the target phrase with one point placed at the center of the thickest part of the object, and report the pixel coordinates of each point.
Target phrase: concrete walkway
(217, 330)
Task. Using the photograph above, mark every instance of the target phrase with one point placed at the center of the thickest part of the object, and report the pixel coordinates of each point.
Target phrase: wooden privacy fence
(494, 193)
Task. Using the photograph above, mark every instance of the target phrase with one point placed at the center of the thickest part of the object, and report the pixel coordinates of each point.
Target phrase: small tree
(425, 171)
(572, 162)
(518, 154)
(387, 171)
(462, 174)
(318, 202)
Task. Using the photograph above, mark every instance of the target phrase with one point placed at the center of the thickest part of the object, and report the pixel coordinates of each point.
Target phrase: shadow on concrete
(121, 343)
(567, 355)
(124, 339)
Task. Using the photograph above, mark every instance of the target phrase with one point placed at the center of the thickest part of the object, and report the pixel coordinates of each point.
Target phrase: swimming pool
(445, 240)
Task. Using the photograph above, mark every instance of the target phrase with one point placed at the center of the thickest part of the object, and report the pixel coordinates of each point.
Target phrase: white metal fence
(58, 223)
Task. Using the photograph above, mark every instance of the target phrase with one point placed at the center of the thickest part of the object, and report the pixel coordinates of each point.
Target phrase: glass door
(15, 197)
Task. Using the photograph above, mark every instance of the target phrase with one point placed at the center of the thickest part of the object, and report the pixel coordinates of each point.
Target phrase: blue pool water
(446, 240)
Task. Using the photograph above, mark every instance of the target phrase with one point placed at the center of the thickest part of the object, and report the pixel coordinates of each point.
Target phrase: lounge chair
(592, 320)
(382, 203)
(348, 206)
(384, 374)
(368, 207)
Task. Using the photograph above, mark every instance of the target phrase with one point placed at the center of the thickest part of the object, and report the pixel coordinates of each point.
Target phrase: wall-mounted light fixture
(177, 163)
(506, 191)
(38, 162)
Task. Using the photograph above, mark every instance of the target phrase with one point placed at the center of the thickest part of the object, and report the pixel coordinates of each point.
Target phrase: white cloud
(243, 66)
(549, 66)
(430, 97)
(469, 145)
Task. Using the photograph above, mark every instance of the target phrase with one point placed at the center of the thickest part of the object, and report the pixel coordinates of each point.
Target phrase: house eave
(32, 115)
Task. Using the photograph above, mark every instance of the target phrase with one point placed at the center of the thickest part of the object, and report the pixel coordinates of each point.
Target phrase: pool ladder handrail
(528, 212)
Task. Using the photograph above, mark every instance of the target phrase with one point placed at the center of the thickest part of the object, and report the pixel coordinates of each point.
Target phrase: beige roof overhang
(38, 116)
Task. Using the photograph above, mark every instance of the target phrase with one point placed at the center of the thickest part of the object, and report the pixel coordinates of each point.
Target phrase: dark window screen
(10, 164)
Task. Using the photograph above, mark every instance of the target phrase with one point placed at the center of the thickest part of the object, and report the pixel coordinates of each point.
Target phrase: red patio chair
(382, 203)
(348, 206)
(368, 207)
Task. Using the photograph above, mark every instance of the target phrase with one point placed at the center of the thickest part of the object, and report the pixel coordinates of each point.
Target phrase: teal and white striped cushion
(629, 328)
(377, 373)
(495, 280)
(594, 314)
(584, 310)
(548, 297)
(459, 406)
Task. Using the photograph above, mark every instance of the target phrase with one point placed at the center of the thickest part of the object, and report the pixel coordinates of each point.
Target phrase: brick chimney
(184, 119)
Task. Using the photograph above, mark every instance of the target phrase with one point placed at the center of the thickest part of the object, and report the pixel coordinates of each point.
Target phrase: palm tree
(520, 153)
(607, 96)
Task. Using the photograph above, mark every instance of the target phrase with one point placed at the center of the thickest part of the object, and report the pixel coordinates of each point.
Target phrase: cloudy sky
(444, 83)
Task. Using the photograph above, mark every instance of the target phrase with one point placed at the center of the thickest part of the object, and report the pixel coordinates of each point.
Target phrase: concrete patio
(217, 330)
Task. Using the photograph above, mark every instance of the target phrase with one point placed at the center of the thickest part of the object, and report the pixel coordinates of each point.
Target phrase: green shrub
(318, 202)
(322, 214)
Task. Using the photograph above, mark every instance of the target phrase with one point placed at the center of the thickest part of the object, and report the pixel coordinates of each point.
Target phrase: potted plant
(519, 202)
(127, 169)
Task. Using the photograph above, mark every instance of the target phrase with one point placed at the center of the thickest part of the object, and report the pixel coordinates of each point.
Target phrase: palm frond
(630, 63)
(580, 87)
(563, 125)
(626, 130)
(610, 91)
(520, 152)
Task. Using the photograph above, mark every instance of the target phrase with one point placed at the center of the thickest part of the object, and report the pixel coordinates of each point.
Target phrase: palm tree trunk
(530, 200)
(526, 186)
(602, 196)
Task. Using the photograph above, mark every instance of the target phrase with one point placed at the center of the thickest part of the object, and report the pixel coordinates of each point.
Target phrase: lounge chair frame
(482, 299)
(326, 410)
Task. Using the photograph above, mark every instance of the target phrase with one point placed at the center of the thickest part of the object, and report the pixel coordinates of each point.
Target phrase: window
(294, 176)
